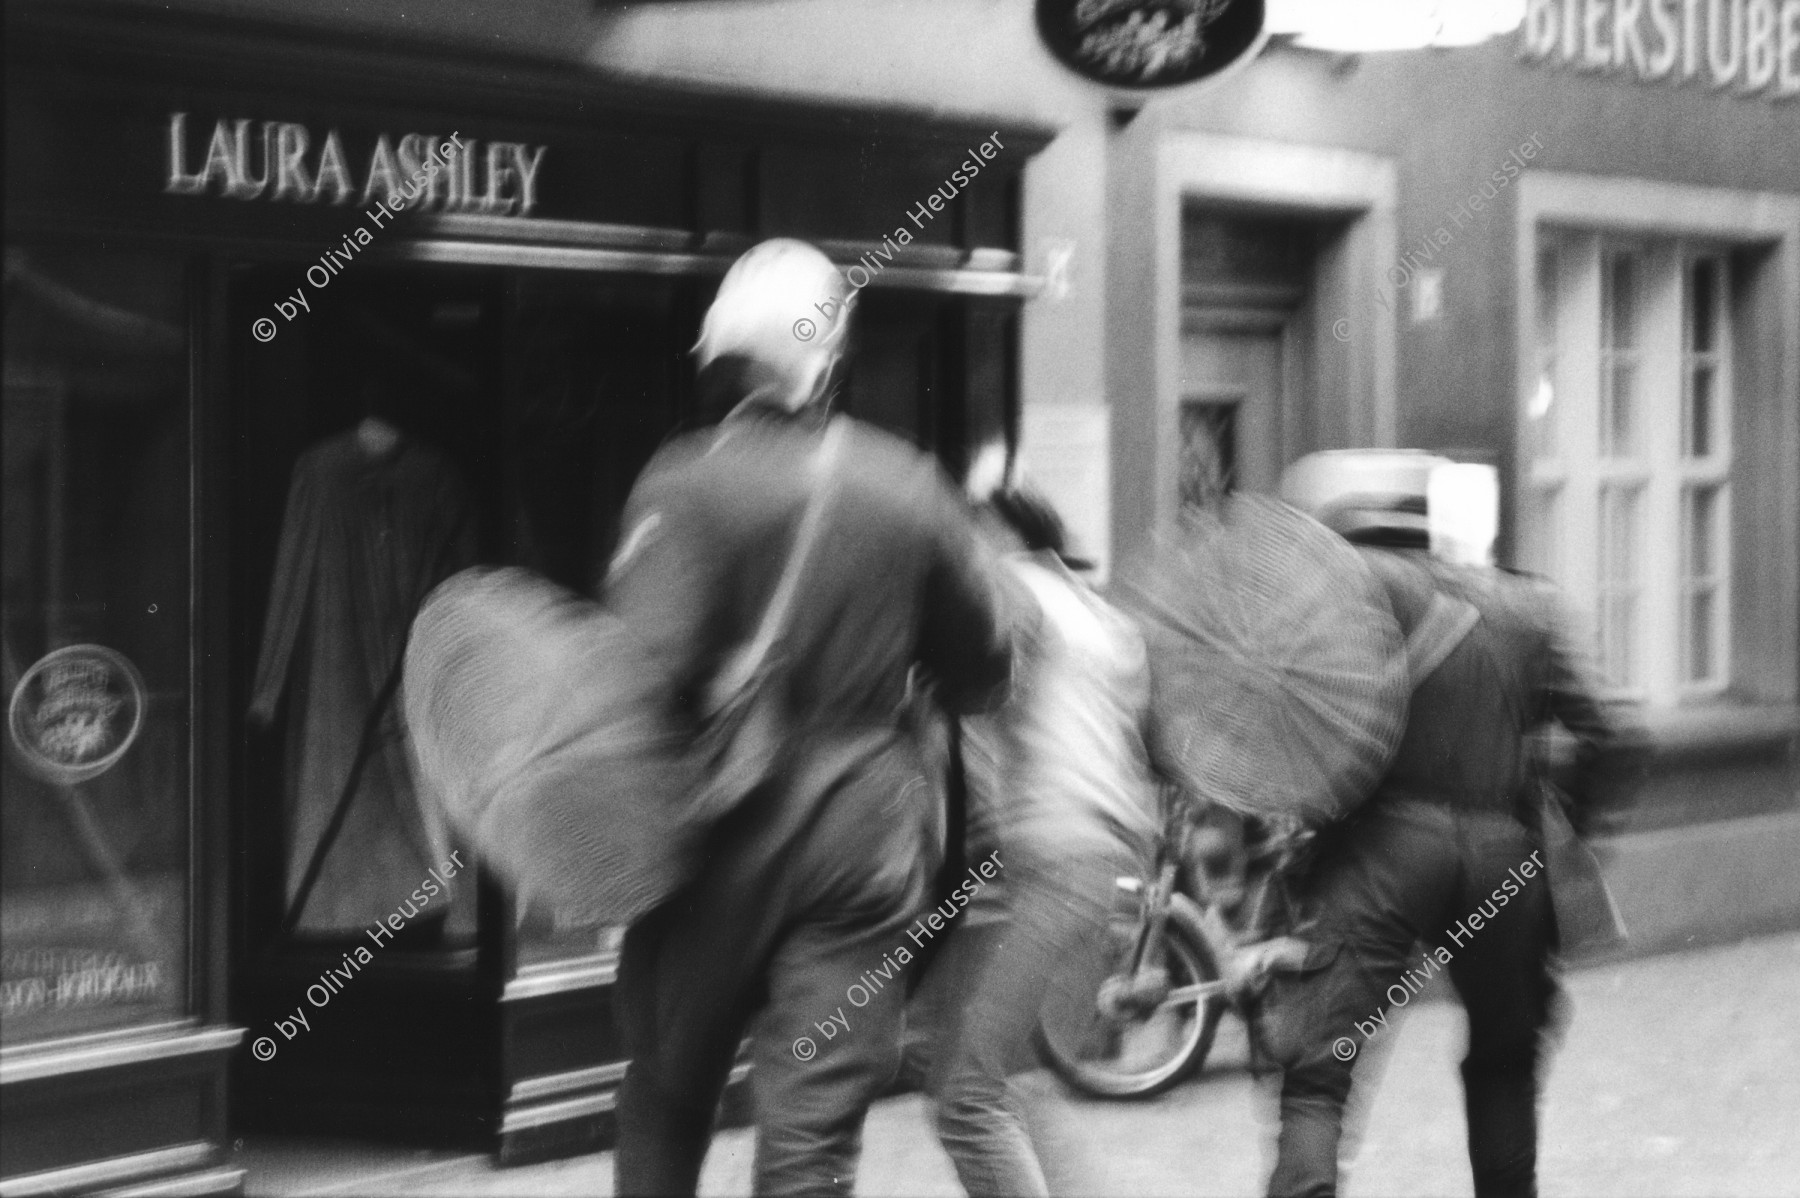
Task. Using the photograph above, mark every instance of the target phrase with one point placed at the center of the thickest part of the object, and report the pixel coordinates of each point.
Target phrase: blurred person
(1060, 784)
(815, 876)
(1449, 833)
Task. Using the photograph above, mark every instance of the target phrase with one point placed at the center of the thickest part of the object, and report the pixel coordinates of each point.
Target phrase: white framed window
(1628, 457)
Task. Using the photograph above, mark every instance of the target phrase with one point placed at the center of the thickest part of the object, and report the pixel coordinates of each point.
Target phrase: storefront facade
(240, 255)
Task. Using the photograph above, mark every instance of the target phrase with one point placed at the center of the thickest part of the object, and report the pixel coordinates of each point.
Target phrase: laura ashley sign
(1751, 46)
(280, 160)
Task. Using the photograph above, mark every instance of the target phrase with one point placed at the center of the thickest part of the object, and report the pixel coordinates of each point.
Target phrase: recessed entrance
(1246, 385)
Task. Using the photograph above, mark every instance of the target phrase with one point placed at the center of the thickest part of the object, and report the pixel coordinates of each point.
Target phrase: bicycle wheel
(1112, 1049)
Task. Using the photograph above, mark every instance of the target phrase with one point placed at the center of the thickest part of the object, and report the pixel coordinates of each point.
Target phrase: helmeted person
(1447, 841)
(813, 879)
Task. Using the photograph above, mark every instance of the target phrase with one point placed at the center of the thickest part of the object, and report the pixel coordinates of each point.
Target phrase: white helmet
(1404, 497)
(784, 306)
(1371, 495)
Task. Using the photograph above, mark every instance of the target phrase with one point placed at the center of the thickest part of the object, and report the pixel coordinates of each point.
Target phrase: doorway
(1245, 390)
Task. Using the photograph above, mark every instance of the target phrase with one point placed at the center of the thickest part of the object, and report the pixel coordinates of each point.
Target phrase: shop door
(1230, 419)
(1247, 282)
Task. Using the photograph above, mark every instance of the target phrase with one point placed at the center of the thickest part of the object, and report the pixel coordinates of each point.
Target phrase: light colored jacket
(1062, 767)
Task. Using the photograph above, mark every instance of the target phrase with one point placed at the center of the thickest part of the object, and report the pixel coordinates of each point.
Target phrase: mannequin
(376, 437)
(375, 519)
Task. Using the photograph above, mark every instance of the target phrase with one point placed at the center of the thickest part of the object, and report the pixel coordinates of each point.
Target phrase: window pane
(1618, 415)
(1618, 639)
(1547, 300)
(1703, 292)
(1700, 636)
(1702, 503)
(1700, 558)
(1619, 583)
(94, 797)
(1698, 425)
(1541, 528)
(1618, 532)
(1619, 302)
(1541, 414)
(1209, 445)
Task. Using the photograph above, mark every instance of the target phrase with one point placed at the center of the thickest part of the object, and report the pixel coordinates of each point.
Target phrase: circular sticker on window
(76, 712)
(1146, 44)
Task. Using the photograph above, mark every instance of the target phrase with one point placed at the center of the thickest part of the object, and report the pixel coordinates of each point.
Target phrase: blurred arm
(965, 638)
(664, 582)
(1600, 771)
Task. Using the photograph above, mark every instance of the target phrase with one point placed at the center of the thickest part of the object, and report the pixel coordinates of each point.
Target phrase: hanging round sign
(75, 713)
(1148, 44)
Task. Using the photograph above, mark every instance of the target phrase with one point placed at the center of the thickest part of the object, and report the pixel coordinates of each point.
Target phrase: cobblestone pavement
(1679, 1075)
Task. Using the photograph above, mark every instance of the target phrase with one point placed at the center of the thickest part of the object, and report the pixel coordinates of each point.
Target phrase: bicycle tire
(1188, 948)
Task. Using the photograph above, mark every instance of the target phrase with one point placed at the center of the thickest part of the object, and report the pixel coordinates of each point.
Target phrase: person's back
(1445, 852)
(893, 580)
(1467, 742)
(811, 880)
(1060, 789)
(1074, 732)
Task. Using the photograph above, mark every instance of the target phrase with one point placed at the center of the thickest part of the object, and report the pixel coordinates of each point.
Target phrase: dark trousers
(804, 901)
(1405, 873)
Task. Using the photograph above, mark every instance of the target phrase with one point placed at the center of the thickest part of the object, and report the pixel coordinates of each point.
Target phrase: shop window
(1629, 473)
(94, 791)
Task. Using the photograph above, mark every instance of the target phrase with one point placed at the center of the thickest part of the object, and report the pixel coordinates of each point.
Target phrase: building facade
(1572, 253)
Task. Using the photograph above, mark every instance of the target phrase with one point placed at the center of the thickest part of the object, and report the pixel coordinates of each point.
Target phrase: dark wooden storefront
(534, 324)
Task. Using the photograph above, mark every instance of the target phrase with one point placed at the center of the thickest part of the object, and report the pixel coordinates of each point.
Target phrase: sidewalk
(1680, 1075)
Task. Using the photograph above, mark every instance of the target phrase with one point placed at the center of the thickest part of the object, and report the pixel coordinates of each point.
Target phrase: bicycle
(1188, 943)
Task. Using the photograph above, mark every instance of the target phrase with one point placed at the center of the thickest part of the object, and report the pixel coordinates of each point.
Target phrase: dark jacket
(895, 579)
(1476, 724)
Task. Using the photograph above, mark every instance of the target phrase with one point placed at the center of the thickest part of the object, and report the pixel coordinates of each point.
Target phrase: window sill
(1721, 728)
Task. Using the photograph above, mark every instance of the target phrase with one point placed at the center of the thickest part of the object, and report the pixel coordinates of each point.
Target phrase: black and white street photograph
(900, 598)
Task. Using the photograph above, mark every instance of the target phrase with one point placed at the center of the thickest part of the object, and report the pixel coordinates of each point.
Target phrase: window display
(94, 807)
(374, 521)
